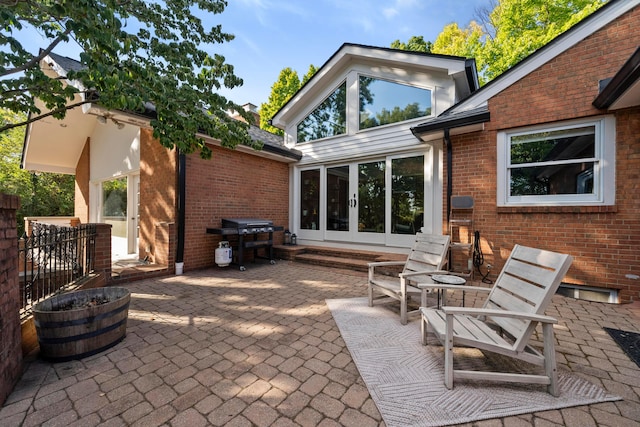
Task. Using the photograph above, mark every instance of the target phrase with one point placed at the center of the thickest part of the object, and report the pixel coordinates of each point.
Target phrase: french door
(379, 201)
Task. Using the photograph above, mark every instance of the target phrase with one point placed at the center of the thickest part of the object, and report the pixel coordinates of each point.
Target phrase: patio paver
(260, 348)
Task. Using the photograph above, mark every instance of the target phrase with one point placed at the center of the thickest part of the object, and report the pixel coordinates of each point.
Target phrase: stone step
(351, 259)
(333, 261)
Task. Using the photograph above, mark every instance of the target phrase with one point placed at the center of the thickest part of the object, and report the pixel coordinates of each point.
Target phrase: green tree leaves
(282, 90)
(44, 194)
(507, 34)
(133, 52)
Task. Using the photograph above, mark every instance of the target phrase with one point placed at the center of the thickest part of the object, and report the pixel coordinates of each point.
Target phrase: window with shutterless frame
(562, 164)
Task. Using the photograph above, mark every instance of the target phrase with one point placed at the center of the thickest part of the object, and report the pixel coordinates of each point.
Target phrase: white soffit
(56, 145)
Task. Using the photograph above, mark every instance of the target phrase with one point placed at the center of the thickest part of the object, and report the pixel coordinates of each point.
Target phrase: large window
(383, 102)
(568, 164)
(328, 119)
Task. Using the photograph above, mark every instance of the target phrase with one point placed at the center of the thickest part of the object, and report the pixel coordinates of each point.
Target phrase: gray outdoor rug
(405, 379)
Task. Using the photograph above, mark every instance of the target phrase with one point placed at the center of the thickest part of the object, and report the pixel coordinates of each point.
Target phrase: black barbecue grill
(243, 227)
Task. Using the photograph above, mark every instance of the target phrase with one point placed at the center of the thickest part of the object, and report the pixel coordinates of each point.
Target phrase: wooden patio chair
(506, 323)
(427, 257)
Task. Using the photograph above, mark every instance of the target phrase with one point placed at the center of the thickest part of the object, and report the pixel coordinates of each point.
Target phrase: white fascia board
(37, 167)
(547, 53)
(48, 60)
(353, 53)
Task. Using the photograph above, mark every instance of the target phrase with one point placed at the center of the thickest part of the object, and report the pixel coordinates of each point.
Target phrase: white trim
(454, 66)
(604, 169)
(557, 46)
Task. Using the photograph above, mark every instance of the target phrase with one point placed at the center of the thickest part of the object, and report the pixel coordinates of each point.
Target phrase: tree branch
(42, 116)
(34, 61)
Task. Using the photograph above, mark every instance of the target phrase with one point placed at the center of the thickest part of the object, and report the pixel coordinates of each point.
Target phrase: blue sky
(274, 34)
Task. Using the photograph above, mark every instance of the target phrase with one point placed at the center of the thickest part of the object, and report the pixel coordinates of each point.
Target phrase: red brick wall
(10, 331)
(604, 241)
(81, 209)
(232, 185)
(158, 177)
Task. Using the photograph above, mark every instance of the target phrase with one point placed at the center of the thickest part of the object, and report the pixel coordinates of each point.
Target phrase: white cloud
(389, 12)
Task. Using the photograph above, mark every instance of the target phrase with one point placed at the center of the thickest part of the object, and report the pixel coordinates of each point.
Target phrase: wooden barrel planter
(81, 323)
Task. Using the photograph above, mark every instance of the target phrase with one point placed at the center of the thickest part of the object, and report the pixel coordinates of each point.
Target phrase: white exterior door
(379, 201)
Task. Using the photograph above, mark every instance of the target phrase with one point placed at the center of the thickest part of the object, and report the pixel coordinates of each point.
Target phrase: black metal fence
(52, 258)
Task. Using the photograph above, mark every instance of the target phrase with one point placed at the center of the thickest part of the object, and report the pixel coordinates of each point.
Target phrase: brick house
(545, 162)
(578, 101)
(125, 178)
(379, 140)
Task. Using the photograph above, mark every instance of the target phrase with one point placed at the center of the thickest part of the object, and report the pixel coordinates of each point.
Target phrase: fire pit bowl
(81, 323)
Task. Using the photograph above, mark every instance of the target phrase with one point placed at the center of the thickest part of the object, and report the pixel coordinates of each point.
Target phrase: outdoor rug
(405, 379)
(628, 341)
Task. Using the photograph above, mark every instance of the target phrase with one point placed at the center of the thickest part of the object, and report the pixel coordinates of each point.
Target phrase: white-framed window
(327, 119)
(564, 164)
(383, 102)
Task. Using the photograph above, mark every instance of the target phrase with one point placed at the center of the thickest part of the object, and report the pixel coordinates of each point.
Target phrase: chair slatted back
(526, 284)
(429, 253)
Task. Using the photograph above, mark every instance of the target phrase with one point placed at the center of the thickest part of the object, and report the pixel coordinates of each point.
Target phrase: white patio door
(133, 213)
(355, 202)
(382, 201)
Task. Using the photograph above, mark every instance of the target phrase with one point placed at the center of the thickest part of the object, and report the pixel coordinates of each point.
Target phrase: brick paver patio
(260, 348)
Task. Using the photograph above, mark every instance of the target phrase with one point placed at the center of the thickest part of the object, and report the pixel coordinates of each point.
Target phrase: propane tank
(223, 254)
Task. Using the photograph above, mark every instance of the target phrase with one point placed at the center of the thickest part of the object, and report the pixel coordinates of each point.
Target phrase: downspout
(182, 185)
(447, 143)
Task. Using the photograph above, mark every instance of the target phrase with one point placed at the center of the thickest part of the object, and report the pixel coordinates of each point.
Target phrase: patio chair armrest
(434, 286)
(423, 272)
(471, 311)
(384, 263)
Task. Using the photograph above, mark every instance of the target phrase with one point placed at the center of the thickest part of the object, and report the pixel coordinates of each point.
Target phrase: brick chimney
(253, 109)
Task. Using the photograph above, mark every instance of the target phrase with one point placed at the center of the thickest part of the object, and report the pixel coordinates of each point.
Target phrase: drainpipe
(182, 185)
(447, 143)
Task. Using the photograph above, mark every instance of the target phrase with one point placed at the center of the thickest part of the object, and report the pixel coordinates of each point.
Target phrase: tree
(500, 38)
(282, 90)
(466, 42)
(40, 194)
(519, 27)
(415, 43)
(134, 52)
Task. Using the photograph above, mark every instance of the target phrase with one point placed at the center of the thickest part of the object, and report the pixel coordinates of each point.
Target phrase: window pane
(574, 178)
(328, 119)
(371, 197)
(383, 102)
(310, 197)
(338, 198)
(553, 146)
(114, 206)
(407, 199)
(548, 163)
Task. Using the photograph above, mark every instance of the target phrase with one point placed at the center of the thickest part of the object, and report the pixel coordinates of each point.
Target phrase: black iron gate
(52, 258)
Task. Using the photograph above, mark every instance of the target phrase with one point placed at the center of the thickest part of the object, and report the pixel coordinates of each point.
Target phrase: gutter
(624, 79)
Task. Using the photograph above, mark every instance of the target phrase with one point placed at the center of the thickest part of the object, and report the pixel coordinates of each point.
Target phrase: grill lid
(245, 222)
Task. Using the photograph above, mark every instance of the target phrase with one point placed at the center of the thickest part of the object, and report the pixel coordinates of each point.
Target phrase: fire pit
(81, 323)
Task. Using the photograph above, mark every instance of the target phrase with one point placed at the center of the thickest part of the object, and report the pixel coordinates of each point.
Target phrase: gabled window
(328, 119)
(561, 165)
(383, 102)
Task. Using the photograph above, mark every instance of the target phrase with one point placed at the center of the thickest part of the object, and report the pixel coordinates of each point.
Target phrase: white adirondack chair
(427, 257)
(514, 307)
